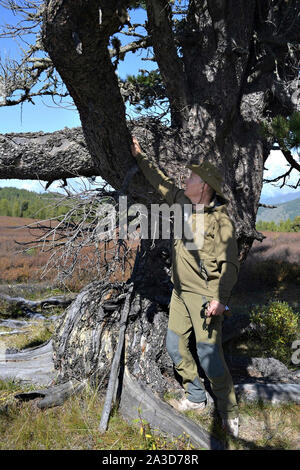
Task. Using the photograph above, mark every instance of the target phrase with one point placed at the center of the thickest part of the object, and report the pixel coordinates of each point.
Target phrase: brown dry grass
(272, 265)
(24, 267)
(16, 267)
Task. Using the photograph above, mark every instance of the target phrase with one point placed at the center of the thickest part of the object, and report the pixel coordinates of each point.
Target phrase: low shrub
(277, 326)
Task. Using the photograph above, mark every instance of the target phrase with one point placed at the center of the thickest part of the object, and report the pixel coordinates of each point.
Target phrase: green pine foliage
(284, 130)
(287, 130)
(16, 202)
(147, 88)
(134, 4)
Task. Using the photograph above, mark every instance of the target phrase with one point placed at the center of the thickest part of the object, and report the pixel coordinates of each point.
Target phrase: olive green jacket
(212, 269)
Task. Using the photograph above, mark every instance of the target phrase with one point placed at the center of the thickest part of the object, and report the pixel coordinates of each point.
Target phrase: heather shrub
(277, 325)
(268, 273)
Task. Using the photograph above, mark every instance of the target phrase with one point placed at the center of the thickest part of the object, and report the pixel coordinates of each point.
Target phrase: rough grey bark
(115, 366)
(45, 156)
(99, 103)
(170, 65)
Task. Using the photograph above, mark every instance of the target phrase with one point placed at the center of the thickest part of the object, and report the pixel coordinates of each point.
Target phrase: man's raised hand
(135, 147)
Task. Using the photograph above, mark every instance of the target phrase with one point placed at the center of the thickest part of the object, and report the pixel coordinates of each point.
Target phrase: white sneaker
(186, 405)
(231, 426)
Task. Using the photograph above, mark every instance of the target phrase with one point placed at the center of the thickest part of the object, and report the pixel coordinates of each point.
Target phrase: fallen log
(269, 393)
(14, 323)
(34, 365)
(60, 300)
(139, 402)
(53, 396)
(14, 332)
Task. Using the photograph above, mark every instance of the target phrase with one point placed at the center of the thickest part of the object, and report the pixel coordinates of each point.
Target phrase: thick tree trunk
(85, 340)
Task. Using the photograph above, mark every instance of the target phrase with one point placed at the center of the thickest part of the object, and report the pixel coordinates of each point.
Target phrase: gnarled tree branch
(45, 156)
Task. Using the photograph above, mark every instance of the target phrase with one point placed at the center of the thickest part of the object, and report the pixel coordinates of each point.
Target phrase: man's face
(194, 184)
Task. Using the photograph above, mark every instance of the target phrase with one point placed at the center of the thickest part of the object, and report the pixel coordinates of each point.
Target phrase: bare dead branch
(132, 47)
(268, 206)
(294, 165)
(86, 236)
(275, 180)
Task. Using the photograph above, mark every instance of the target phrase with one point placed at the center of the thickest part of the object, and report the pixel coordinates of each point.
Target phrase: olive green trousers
(187, 315)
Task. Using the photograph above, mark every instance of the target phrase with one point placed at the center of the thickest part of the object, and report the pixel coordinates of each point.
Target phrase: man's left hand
(215, 308)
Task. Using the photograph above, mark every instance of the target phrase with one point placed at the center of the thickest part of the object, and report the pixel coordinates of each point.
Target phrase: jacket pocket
(203, 271)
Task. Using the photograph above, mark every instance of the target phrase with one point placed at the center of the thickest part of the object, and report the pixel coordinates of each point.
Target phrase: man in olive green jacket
(203, 278)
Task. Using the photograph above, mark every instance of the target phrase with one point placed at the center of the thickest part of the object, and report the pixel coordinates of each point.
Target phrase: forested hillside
(283, 226)
(16, 202)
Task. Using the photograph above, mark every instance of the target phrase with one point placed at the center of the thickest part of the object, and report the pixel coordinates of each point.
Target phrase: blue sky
(46, 116)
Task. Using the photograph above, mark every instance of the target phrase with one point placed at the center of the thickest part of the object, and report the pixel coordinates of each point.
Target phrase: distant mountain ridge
(281, 198)
(283, 211)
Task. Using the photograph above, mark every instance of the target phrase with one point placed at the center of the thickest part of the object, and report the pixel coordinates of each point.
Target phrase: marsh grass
(74, 425)
(36, 334)
(262, 426)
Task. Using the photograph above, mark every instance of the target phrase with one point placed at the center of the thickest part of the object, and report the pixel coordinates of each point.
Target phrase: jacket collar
(215, 204)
